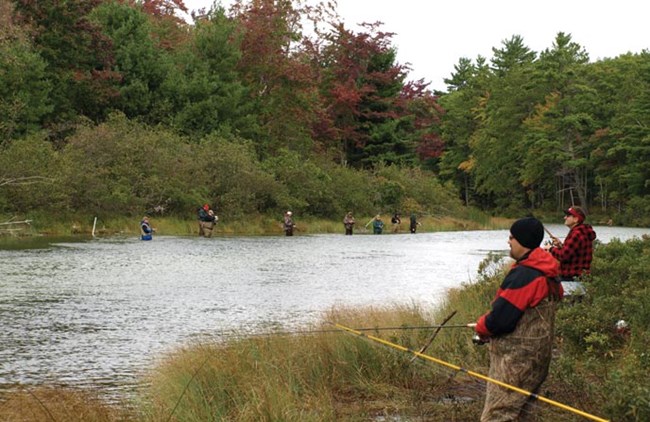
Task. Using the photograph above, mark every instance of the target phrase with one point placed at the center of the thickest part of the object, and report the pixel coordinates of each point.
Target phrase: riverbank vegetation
(120, 108)
(320, 373)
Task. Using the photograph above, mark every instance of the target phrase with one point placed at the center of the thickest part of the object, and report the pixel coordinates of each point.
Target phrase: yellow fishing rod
(471, 373)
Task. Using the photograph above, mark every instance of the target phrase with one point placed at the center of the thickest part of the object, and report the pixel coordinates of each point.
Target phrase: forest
(120, 107)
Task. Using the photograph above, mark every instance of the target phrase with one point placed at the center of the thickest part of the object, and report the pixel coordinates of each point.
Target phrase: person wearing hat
(146, 231)
(288, 224)
(575, 254)
(207, 220)
(519, 328)
(377, 224)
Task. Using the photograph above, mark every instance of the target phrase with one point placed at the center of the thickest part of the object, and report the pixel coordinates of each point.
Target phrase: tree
(24, 86)
(563, 123)
(512, 55)
(466, 86)
(205, 89)
(622, 151)
(79, 58)
(364, 93)
(142, 66)
(276, 67)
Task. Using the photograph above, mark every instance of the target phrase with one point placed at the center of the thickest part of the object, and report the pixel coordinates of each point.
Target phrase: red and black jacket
(530, 280)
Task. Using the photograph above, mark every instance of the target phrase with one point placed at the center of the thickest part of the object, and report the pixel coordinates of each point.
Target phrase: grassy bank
(324, 374)
(330, 375)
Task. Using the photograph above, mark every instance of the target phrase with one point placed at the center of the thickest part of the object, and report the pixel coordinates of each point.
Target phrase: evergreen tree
(563, 123)
(24, 84)
(204, 90)
(79, 58)
(142, 66)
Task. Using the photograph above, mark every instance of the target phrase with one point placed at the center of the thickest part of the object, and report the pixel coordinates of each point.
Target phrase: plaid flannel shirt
(576, 253)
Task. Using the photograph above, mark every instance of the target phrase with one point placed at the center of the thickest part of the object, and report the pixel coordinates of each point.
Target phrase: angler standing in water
(520, 327)
(146, 231)
(288, 224)
(377, 224)
(207, 220)
(396, 220)
(348, 223)
(413, 225)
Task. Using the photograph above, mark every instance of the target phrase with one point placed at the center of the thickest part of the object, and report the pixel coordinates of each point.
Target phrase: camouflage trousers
(520, 359)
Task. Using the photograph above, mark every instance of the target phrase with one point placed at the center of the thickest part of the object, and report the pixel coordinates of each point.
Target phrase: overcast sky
(432, 35)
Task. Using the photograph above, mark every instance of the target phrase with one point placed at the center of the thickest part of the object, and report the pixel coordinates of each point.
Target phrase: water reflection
(95, 313)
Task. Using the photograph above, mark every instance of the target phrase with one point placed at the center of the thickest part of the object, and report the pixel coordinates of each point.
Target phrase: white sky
(433, 35)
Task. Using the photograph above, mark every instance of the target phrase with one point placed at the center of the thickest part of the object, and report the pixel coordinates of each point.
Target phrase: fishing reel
(477, 340)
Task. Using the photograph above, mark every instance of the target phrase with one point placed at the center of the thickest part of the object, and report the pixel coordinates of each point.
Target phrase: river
(97, 313)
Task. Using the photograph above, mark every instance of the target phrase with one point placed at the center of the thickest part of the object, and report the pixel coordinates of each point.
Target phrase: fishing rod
(555, 240)
(471, 373)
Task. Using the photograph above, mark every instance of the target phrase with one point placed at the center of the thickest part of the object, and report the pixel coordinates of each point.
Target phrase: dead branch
(27, 180)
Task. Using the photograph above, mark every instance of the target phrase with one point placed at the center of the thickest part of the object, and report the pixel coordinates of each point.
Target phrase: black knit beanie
(528, 231)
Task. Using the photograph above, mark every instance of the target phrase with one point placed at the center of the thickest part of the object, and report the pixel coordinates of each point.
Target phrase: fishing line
(337, 331)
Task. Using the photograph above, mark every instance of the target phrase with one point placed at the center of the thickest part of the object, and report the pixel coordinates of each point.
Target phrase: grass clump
(58, 404)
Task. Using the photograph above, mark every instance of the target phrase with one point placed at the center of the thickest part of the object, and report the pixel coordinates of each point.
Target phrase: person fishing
(377, 224)
(519, 328)
(288, 225)
(413, 224)
(348, 223)
(396, 221)
(207, 220)
(146, 231)
(576, 253)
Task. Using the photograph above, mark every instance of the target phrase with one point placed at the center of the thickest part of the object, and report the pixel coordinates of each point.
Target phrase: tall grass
(58, 404)
(322, 376)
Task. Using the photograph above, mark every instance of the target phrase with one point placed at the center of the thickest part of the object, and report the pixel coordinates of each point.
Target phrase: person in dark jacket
(413, 225)
(146, 231)
(207, 220)
(396, 221)
(519, 328)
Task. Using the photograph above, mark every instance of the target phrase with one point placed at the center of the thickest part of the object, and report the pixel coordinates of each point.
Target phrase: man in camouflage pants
(519, 328)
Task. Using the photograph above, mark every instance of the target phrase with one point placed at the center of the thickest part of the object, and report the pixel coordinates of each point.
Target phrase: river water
(97, 313)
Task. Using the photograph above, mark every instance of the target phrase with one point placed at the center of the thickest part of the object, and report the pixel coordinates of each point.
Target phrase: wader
(205, 228)
(520, 359)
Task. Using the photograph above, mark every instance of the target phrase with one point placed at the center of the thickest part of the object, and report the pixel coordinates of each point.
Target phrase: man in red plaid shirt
(576, 252)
